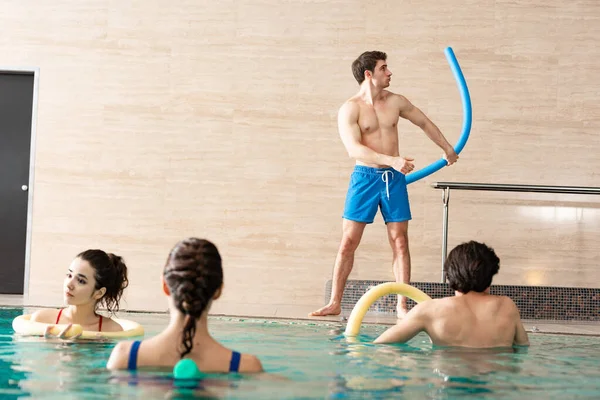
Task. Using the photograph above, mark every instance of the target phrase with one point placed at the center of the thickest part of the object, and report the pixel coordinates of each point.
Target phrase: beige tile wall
(159, 120)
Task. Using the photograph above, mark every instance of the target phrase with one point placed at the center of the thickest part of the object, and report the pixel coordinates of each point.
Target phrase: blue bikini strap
(133, 353)
(234, 364)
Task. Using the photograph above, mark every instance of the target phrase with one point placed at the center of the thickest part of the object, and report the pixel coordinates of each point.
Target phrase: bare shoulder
(443, 308)
(110, 325)
(45, 315)
(443, 302)
(119, 356)
(508, 304)
(350, 107)
(399, 101)
(502, 305)
(427, 308)
(250, 363)
(391, 95)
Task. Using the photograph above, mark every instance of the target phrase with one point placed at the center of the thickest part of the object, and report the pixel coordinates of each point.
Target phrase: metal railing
(447, 186)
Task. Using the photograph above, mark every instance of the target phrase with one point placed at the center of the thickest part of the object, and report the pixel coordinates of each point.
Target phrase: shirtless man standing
(473, 317)
(368, 126)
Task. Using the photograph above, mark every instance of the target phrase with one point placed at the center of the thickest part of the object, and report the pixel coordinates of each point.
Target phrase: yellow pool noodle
(25, 326)
(371, 296)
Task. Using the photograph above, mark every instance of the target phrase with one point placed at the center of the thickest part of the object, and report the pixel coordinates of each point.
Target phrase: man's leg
(398, 237)
(351, 234)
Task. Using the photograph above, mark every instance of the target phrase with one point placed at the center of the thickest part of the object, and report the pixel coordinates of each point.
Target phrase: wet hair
(471, 267)
(110, 272)
(366, 62)
(193, 273)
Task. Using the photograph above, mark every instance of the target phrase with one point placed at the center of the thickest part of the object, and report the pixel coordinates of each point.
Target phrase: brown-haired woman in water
(192, 279)
(94, 279)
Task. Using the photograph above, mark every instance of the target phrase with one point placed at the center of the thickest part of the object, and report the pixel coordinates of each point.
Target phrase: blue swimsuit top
(234, 363)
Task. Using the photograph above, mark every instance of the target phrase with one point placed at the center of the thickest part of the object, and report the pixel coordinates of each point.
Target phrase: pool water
(306, 360)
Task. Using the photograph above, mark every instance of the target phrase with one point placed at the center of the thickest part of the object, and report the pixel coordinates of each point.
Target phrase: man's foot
(329, 309)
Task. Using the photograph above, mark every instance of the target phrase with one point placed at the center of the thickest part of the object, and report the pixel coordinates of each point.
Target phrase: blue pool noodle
(467, 116)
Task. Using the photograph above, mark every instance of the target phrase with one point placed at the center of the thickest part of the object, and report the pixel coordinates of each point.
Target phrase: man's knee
(399, 241)
(349, 244)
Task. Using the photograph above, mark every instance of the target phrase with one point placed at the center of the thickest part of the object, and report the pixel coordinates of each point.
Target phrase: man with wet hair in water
(471, 318)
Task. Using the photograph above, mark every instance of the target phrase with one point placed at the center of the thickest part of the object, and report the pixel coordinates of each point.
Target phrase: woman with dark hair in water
(94, 279)
(192, 279)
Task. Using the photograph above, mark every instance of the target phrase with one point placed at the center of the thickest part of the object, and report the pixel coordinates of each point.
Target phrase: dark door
(16, 108)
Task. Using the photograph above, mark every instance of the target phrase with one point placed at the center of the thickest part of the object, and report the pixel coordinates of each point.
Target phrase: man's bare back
(472, 320)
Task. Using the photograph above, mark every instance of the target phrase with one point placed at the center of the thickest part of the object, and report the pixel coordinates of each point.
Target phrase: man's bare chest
(377, 119)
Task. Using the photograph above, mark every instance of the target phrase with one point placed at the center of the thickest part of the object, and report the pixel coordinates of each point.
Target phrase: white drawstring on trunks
(385, 178)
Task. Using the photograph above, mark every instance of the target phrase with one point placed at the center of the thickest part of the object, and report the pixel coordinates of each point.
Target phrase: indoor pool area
(302, 199)
(309, 360)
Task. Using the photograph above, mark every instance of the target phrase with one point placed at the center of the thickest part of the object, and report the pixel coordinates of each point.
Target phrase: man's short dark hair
(471, 267)
(366, 62)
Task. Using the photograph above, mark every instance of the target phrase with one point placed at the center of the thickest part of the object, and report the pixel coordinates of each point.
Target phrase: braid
(193, 274)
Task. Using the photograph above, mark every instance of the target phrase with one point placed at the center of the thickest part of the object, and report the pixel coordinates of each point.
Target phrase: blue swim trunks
(371, 188)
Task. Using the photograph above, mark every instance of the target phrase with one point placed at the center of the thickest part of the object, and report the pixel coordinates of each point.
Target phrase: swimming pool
(308, 360)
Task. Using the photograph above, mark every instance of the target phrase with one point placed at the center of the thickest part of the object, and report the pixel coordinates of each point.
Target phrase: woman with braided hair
(192, 279)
